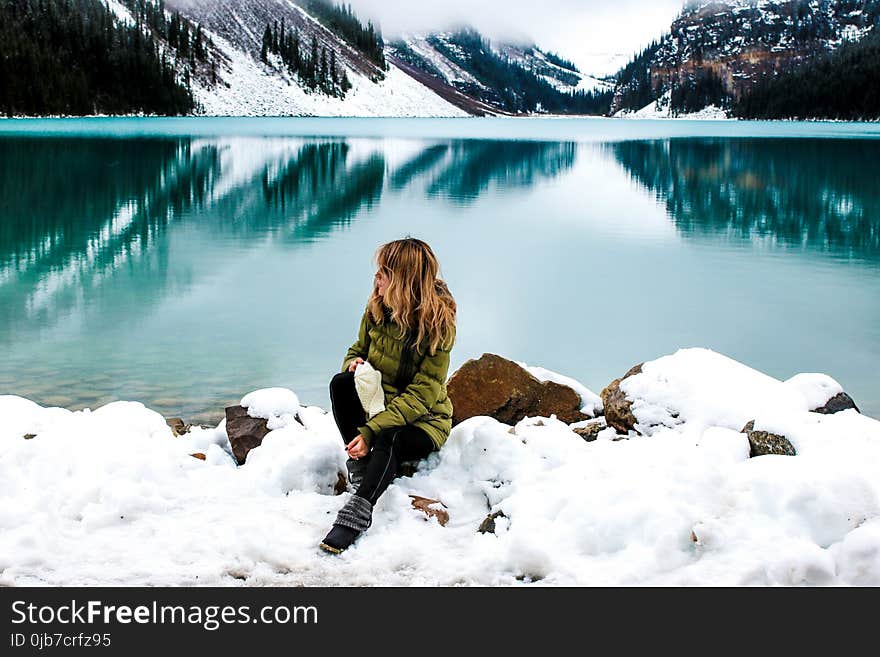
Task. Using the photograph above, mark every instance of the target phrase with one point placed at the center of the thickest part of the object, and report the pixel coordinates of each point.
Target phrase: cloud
(581, 30)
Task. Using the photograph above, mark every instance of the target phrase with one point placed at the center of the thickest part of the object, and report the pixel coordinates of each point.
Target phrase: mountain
(717, 53)
(202, 57)
(73, 57)
(483, 77)
(842, 85)
(252, 79)
(265, 58)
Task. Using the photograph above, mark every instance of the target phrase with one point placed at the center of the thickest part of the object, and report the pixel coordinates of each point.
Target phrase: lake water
(186, 262)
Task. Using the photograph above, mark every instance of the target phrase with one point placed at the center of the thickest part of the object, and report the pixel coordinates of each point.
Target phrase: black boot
(353, 519)
(338, 539)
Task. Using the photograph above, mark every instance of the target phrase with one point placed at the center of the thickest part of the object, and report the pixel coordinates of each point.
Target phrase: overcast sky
(581, 30)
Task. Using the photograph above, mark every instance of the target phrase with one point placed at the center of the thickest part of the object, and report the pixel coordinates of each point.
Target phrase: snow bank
(112, 497)
(277, 405)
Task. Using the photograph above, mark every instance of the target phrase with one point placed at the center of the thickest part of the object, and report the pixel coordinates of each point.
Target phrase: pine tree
(313, 63)
(267, 42)
(174, 30)
(296, 58)
(183, 48)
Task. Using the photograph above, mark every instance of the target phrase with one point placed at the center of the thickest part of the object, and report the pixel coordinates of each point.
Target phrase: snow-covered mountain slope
(234, 79)
(566, 78)
(476, 73)
(250, 88)
(724, 48)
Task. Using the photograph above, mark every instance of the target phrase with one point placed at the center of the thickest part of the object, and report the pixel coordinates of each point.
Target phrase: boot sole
(329, 548)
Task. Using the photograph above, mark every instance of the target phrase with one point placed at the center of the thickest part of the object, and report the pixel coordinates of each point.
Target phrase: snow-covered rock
(115, 493)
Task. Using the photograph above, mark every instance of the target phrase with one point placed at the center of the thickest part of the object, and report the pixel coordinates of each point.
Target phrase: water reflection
(462, 171)
(75, 211)
(820, 194)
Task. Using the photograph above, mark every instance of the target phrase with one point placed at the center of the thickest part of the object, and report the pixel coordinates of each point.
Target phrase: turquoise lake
(185, 262)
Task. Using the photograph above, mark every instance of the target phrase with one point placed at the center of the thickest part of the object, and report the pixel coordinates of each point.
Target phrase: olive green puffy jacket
(424, 402)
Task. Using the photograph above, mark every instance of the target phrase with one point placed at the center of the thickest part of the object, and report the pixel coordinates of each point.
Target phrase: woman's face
(381, 279)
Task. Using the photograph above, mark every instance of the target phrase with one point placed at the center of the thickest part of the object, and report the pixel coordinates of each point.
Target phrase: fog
(584, 31)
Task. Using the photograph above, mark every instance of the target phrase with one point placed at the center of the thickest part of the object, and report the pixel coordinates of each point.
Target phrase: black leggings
(388, 449)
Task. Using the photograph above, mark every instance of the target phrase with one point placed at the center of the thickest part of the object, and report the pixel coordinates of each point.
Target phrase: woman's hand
(357, 361)
(357, 448)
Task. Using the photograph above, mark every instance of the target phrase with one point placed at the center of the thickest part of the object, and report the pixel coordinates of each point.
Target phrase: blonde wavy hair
(419, 302)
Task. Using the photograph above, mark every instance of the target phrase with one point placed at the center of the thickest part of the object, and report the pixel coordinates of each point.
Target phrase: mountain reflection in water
(818, 194)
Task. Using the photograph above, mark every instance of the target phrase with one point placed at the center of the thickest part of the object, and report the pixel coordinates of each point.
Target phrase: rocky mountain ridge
(716, 52)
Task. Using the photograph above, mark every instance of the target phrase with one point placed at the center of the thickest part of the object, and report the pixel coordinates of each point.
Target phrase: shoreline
(631, 117)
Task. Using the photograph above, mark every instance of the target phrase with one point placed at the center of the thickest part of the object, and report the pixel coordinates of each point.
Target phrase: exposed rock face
(488, 525)
(497, 387)
(617, 406)
(763, 442)
(198, 455)
(244, 432)
(591, 431)
(839, 402)
(426, 506)
(740, 44)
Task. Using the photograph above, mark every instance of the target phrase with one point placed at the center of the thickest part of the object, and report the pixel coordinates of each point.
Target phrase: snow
(111, 497)
(120, 11)
(250, 88)
(277, 405)
(659, 109)
(450, 71)
(699, 388)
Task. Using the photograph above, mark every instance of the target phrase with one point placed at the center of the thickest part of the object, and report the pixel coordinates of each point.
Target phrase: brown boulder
(839, 402)
(424, 504)
(198, 455)
(497, 387)
(763, 442)
(244, 432)
(618, 413)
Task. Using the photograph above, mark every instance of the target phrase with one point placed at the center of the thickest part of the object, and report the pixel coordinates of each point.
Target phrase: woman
(406, 334)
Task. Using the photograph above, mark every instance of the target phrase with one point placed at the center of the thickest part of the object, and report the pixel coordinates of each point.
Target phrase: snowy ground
(111, 497)
(255, 89)
(659, 109)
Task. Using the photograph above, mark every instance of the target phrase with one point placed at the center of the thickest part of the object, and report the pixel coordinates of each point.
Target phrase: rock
(426, 506)
(763, 442)
(341, 483)
(30, 436)
(617, 406)
(407, 468)
(488, 525)
(497, 387)
(199, 456)
(244, 432)
(839, 402)
(177, 425)
(591, 431)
